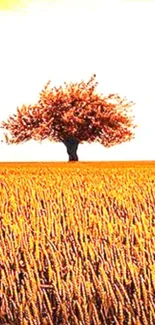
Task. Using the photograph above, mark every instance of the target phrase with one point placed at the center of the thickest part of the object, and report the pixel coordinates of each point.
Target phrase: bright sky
(68, 41)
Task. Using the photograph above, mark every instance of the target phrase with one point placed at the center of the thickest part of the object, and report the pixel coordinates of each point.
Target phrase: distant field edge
(80, 163)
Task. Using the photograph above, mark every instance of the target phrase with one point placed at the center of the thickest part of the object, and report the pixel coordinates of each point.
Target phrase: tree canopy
(74, 109)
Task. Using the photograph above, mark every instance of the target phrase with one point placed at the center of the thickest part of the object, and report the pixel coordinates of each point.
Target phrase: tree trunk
(71, 144)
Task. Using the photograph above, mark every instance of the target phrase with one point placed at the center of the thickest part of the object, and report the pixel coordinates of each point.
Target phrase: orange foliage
(73, 110)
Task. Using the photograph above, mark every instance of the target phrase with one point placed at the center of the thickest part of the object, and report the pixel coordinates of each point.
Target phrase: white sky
(114, 39)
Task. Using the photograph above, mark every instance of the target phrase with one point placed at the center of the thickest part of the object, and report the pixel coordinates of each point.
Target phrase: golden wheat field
(77, 243)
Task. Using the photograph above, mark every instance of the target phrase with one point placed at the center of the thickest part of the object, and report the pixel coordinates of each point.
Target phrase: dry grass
(77, 244)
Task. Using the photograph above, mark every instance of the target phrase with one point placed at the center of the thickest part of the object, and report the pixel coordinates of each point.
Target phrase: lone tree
(73, 114)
